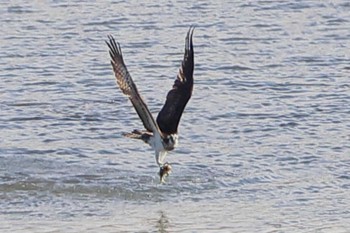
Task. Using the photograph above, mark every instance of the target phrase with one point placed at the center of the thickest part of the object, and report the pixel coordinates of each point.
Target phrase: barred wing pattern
(128, 86)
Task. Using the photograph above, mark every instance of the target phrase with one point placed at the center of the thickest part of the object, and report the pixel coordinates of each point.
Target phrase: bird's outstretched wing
(169, 117)
(128, 86)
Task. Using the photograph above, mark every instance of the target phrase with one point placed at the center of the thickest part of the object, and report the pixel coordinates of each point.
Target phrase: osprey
(162, 134)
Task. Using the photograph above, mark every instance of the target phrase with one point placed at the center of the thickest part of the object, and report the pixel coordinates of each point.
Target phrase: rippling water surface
(264, 142)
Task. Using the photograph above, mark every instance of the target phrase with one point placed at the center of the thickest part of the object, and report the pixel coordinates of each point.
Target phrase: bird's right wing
(128, 86)
(169, 117)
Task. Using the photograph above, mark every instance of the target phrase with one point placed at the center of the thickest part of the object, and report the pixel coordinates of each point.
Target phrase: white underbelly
(156, 143)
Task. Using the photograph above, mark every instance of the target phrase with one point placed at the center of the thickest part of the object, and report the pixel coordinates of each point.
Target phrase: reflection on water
(163, 223)
(264, 141)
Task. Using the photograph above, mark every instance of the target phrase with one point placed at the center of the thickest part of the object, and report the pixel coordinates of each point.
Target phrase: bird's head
(164, 171)
(170, 141)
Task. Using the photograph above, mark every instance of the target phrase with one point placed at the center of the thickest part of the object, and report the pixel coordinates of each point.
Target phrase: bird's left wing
(128, 86)
(169, 117)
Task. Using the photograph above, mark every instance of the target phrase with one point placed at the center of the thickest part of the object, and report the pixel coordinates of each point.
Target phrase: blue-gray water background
(264, 142)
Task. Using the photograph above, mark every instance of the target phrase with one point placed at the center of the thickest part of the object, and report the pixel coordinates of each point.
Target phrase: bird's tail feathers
(137, 134)
(132, 135)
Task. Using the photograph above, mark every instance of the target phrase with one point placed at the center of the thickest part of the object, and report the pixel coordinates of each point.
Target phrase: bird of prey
(160, 134)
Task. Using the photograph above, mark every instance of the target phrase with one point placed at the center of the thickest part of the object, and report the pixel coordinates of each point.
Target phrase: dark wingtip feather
(189, 36)
(114, 49)
(188, 61)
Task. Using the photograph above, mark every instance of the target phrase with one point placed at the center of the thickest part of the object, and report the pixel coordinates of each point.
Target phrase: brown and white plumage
(161, 135)
(128, 86)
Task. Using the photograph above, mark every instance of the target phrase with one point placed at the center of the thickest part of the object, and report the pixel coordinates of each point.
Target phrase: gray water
(264, 141)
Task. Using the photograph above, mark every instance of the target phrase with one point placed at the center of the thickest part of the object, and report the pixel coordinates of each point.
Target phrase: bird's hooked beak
(164, 171)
